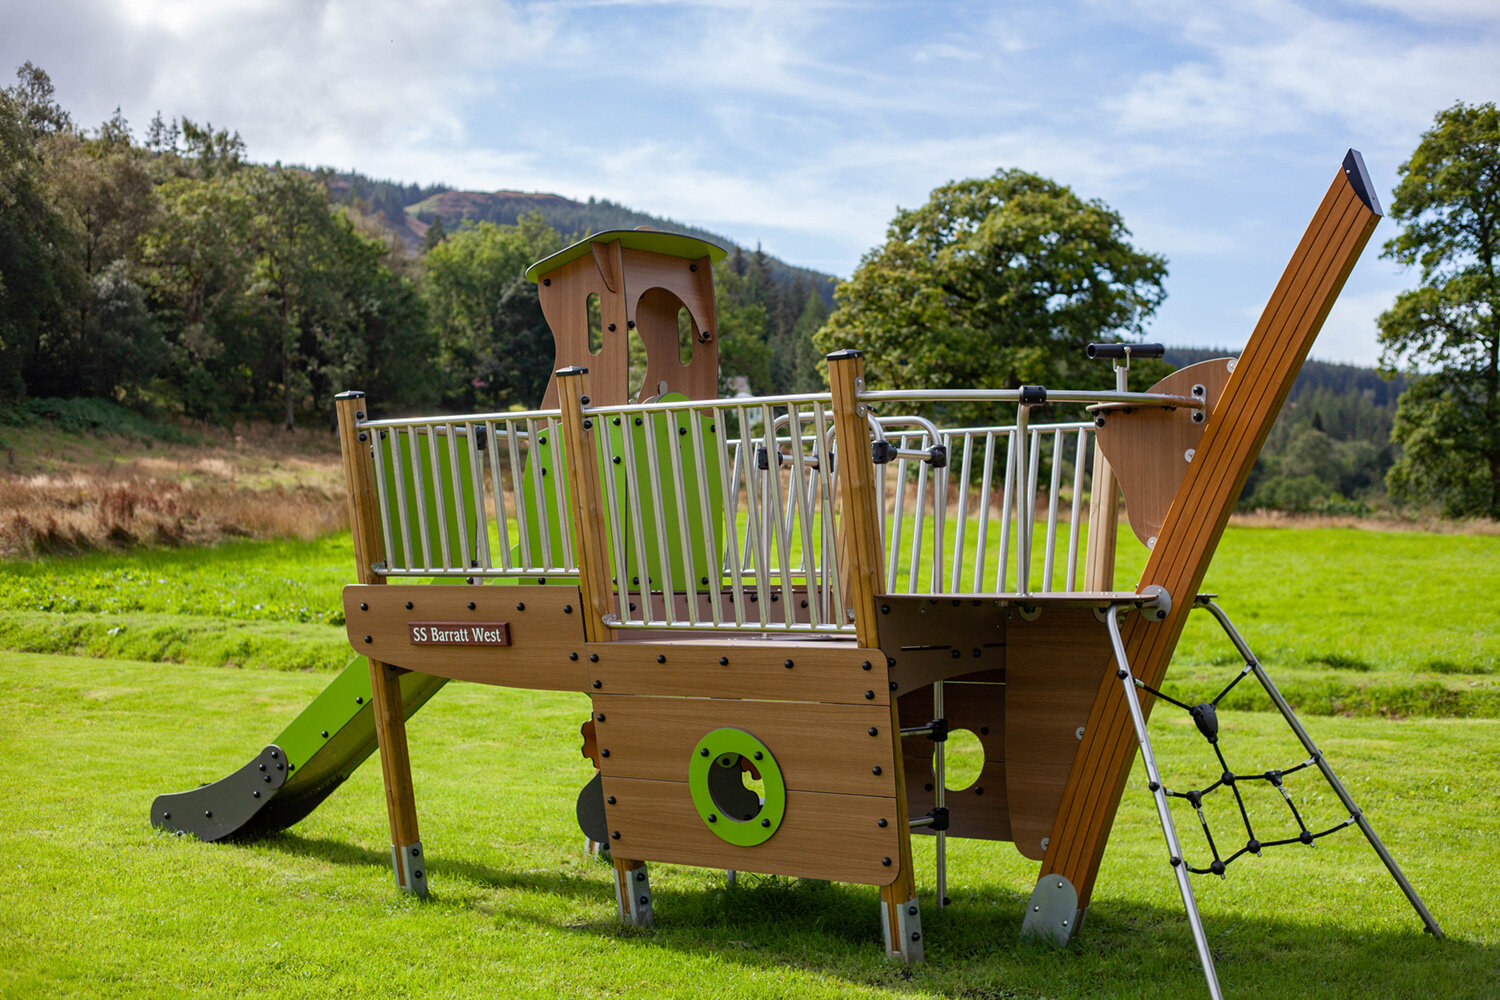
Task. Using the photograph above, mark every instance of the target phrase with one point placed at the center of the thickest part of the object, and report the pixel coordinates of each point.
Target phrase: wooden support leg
(385, 680)
(395, 768)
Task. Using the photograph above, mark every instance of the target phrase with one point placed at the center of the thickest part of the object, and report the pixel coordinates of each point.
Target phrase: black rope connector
(1217, 867)
(1207, 720)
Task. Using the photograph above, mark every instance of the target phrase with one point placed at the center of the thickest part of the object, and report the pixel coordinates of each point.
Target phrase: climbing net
(1206, 717)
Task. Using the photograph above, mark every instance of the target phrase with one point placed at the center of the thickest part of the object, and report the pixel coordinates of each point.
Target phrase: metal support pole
(940, 787)
(1169, 830)
(1327, 769)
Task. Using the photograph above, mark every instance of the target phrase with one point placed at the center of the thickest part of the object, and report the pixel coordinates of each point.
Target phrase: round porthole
(736, 786)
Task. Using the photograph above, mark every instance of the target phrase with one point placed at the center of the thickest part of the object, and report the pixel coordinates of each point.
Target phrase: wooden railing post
(864, 558)
(590, 546)
(1232, 439)
(581, 465)
(385, 680)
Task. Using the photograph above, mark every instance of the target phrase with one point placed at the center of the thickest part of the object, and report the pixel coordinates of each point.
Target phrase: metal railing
(724, 513)
(480, 495)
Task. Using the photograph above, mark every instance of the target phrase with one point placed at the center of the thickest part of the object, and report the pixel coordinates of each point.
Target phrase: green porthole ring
(741, 832)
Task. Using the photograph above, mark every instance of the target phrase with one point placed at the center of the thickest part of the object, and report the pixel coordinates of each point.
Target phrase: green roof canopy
(671, 244)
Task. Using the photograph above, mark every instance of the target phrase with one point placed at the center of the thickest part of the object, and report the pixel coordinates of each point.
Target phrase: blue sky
(1212, 127)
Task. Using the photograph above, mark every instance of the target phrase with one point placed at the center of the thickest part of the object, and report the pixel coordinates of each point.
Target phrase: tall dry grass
(60, 495)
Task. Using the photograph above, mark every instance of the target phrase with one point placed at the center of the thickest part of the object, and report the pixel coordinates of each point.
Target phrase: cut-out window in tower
(687, 336)
(637, 349)
(596, 324)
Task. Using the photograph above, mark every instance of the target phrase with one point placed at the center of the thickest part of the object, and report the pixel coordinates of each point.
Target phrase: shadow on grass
(342, 853)
(973, 946)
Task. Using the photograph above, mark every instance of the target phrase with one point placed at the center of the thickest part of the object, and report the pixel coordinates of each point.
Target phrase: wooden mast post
(864, 556)
(385, 680)
(1232, 439)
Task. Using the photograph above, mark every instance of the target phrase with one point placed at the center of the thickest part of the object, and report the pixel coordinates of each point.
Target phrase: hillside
(410, 209)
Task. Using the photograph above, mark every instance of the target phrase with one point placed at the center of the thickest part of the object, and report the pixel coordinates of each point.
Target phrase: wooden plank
(1147, 446)
(836, 837)
(385, 684)
(564, 295)
(819, 748)
(545, 626)
(1232, 439)
(978, 811)
(1052, 671)
(657, 285)
(691, 668)
(926, 639)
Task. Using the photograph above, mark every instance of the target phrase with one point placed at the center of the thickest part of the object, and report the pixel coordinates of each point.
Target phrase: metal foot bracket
(907, 927)
(633, 896)
(1052, 913)
(411, 868)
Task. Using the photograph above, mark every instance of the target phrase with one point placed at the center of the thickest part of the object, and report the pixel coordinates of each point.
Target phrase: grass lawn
(99, 904)
(1350, 622)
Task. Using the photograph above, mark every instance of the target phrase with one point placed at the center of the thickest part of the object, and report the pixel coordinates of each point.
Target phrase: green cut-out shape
(715, 783)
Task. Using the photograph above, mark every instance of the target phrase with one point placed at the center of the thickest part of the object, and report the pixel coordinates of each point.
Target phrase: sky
(1212, 126)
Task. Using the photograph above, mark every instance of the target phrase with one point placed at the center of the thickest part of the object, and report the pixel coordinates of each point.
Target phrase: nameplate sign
(459, 633)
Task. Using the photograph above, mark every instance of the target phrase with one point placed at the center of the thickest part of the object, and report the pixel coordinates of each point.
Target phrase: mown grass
(96, 903)
(1348, 621)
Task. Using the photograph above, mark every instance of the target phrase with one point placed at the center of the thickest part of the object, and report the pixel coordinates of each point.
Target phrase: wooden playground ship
(805, 592)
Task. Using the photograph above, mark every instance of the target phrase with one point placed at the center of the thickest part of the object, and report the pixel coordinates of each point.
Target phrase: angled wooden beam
(1232, 440)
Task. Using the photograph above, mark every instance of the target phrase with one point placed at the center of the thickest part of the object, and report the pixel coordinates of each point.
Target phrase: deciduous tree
(1446, 332)
(997, 281)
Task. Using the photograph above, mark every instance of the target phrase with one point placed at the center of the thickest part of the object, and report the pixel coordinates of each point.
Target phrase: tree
(36, 282)
(999, 281)
(1446, 333)
(494, 348)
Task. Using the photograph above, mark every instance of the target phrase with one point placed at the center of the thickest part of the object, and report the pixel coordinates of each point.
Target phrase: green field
(121, 693)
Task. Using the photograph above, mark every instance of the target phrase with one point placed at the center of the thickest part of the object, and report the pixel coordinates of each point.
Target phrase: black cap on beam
(1359, 180)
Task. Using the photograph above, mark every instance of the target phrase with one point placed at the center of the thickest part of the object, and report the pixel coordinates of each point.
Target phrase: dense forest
(169, 275)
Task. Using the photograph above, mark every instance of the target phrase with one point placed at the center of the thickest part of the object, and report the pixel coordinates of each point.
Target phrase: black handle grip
(1118, 350)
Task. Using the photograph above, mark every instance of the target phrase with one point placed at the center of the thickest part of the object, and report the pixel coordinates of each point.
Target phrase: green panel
(720, 751)
(671, 244)
(440, 501)
(545, 467)
(329, 712)
(546, 459)
(673, 432)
